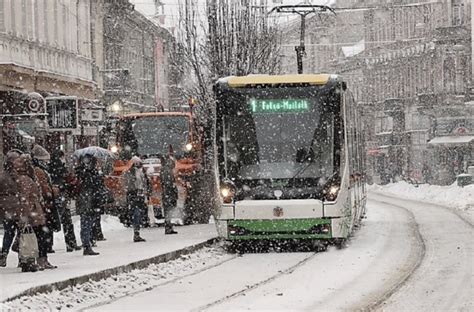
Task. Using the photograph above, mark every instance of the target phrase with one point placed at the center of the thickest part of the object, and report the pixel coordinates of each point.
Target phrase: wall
(47, 35)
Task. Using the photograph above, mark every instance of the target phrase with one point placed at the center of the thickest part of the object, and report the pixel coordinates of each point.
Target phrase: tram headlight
(330, 194)
(228, 190)
(189, 147)
(333, 190)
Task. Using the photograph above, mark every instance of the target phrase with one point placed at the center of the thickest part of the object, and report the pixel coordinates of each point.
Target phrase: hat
(136, 160)
(40, 153)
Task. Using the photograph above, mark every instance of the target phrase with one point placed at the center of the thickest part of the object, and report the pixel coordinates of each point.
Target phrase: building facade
(136, 51)
(63, 62)
(45, 51)
(409, 65)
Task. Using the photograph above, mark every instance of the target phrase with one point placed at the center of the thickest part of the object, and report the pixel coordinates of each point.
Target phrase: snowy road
(406, 257)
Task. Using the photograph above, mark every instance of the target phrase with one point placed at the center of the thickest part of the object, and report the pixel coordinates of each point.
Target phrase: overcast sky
(147, 7)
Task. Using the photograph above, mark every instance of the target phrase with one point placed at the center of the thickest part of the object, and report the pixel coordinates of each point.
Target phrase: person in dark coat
(9, 204)
(87, 175)
(104, 196)
(169, 190)
(137, 187)
(40, 159)
(59, 173)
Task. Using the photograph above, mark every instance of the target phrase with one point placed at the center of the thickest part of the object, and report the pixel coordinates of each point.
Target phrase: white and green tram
(290, 157)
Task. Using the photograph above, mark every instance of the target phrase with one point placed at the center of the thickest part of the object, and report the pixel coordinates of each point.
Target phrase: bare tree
(241, 40)
(232, 37)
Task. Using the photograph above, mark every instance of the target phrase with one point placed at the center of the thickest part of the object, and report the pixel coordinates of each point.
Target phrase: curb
(112, 271)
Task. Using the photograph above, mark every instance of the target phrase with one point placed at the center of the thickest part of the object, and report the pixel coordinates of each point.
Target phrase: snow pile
(117, 286)
(451, 196)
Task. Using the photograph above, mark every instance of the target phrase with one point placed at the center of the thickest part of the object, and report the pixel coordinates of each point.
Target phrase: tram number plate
(278, 211)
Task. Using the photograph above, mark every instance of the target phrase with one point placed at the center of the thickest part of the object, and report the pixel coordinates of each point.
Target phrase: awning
(452, 140)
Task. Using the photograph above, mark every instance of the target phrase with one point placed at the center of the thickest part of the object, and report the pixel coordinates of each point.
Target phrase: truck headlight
(114, 149)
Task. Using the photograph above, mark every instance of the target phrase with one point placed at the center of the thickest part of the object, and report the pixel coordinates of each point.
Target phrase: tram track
(454, 211)
(436, 258)
(404, 278)
(255, 285)
(171, 281)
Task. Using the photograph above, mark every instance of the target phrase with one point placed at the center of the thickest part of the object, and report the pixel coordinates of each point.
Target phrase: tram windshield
(279, 136)
(148, 136)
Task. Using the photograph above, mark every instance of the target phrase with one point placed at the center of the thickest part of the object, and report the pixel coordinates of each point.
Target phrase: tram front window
(280, 140)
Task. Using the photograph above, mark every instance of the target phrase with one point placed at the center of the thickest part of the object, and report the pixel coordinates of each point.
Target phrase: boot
(44, 264)
(137, 238)
(89, 252)
(169, 228)
(29, 266)
(3, 259)
(73, 248)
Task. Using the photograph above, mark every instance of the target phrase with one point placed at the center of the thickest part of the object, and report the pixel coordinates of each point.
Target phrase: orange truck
(148, 136)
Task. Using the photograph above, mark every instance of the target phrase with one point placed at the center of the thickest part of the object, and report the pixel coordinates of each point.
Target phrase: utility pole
(303, 10)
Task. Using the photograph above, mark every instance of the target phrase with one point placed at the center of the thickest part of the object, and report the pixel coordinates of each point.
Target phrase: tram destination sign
(272, 106)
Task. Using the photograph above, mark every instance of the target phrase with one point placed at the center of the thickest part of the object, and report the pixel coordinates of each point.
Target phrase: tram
(290, 158)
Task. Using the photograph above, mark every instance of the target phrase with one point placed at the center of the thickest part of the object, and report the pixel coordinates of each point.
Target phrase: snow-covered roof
(355, 49)
(452, 139)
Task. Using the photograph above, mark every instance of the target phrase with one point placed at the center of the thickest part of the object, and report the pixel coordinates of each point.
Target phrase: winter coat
(169, 190)
(31, 205)
(58, 172)
(9, 199)
(89, 197)
(49, 194)
(130, 180)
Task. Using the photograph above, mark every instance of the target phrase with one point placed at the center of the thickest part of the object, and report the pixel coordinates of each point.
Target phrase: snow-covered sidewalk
(118, 250)
(452, 196)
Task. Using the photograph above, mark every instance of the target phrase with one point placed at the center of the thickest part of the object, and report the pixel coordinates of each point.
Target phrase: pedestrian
(169, 190)
(87, 175)
(59, 173)
(9, 204)
(32, 212)
(137, 188)
(104, 198)
(40, 160)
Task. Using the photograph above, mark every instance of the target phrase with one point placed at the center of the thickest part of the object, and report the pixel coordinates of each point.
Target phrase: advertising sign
(62, 113)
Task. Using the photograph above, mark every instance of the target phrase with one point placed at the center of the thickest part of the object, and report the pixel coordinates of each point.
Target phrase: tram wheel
(318, 245)
(340, 243)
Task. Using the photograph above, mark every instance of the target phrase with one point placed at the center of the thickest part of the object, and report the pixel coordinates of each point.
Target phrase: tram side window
(352, 137)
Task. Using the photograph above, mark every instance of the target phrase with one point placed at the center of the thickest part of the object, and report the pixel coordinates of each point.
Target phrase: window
(458, 12)
(2, 18)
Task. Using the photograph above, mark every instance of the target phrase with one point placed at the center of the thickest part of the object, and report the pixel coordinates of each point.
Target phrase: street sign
(62, 113)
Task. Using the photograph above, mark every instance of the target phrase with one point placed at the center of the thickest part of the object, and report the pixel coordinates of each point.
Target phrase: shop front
(452, 155)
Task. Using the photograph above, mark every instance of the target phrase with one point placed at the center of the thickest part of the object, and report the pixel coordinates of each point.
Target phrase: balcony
(43, 58)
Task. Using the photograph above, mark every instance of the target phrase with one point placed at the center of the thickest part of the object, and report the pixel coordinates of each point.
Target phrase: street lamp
(116, 107)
